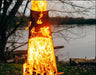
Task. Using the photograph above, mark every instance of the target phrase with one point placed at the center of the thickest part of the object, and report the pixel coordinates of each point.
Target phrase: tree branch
(26, 6)
(0, 5)
(84, 10)
(19, 46)
(19, 22)
(13, 31)
(15, 9)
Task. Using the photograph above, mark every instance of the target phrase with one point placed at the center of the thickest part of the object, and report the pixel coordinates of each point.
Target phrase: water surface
(78, 41)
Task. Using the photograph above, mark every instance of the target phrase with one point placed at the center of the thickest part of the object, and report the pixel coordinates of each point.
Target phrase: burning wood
(40, 56)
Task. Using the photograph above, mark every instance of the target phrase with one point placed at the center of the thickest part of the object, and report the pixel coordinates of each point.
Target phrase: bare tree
(8, 22)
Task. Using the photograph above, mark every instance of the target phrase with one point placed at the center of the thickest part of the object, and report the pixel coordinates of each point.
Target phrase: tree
(8, 22)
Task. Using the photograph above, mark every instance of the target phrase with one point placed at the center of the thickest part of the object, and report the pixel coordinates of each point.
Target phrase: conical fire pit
(40, 56)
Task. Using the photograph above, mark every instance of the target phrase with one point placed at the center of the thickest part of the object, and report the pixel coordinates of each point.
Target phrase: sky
(63, 9)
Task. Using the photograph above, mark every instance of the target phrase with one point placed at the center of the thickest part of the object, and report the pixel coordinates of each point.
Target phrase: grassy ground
(77, 70)
(16, 69)
(10, 69)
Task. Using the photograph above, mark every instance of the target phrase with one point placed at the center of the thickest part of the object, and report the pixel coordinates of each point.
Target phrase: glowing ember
(40, 57)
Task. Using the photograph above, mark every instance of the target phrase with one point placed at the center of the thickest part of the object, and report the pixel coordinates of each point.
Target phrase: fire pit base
(27, 71)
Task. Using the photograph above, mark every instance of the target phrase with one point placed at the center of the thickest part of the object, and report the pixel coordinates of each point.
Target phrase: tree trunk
(2, 47)
(4, 22)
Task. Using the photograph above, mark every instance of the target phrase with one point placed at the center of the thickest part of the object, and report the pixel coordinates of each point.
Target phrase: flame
(39, 5)
(45, 31)
(40, 56)
(39, 21)
(28, 26)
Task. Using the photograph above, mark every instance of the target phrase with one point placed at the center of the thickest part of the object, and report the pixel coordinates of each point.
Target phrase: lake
(78, 41)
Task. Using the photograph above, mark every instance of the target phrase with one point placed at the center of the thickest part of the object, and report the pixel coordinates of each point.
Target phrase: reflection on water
(78, 41)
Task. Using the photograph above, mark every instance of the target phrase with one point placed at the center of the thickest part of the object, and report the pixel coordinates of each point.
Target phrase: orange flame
(39, 5)
(39, 19)
(40, 53)
(40, 57)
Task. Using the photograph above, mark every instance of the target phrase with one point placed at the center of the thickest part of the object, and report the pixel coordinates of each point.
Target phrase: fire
(39, 5)
(40, 56)
(45, 31)
(39, 19)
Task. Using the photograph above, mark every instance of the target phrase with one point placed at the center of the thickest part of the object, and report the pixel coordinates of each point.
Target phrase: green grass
(10, 69)
(16, 69)
(76, 70)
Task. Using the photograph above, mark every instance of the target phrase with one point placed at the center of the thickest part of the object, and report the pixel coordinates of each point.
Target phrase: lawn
(11, 69)
(16, 69)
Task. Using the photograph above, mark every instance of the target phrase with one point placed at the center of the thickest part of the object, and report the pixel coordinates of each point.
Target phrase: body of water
(78, 41)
